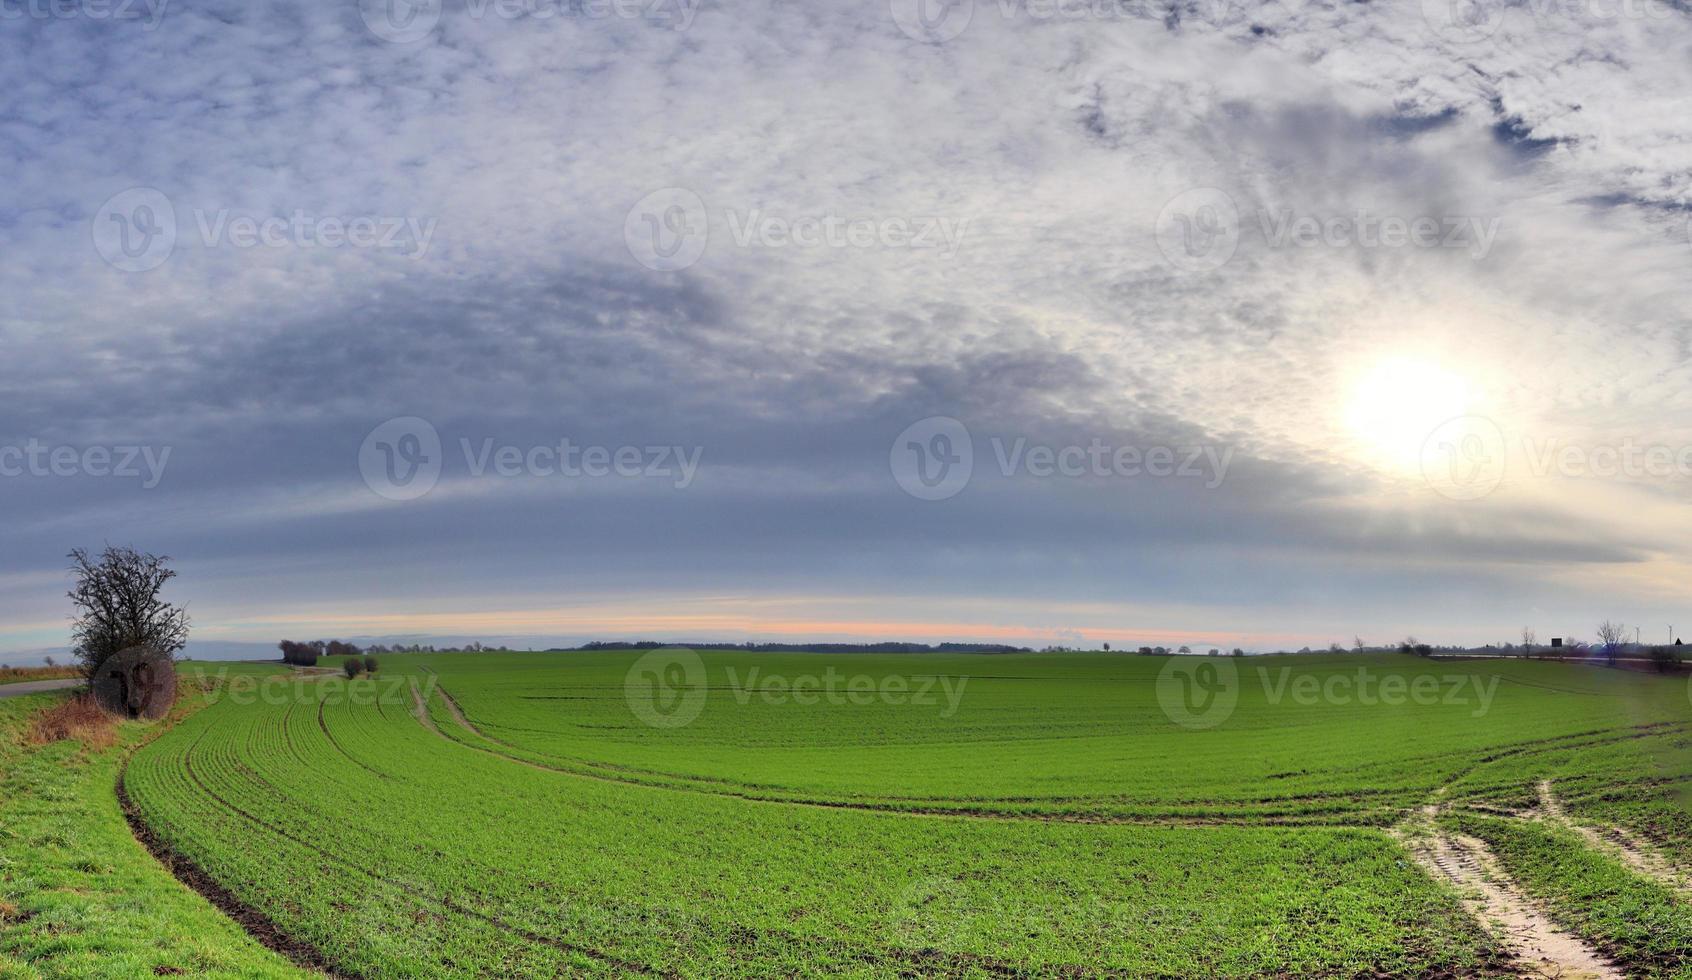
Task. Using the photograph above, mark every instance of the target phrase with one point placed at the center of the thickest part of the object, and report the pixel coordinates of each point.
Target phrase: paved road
(36, 687)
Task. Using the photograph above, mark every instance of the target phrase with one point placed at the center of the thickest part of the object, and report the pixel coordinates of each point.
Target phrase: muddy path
(1619, 843)
(1541, 947)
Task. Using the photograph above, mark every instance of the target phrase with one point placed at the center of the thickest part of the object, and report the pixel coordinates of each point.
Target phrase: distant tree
(370, 664)
(1612, 636)
(118, 606)
(1238, 652)
(1107, 647)
(335, 648)
(1358, 644)
(1335, 648)
(50, 662)
(1185, 649)
(1304, 650)
(351, 666)
(298, 654)
(1162, 651)
(1215, 652)
(1145, 651)
(1665, 659)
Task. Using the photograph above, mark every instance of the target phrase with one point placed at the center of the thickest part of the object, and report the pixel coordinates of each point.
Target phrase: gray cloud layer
(1044, 145)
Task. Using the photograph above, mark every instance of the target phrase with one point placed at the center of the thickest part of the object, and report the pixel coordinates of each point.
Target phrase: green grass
(1080, 735)
(1052, 820)
(1639, 923)
(78, 896)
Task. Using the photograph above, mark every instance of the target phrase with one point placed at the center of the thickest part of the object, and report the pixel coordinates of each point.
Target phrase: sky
(1033, 321)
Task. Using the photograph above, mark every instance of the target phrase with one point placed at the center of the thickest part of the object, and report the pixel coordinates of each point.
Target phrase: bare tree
(1529, 638)
(1613, 636)
(118, 606)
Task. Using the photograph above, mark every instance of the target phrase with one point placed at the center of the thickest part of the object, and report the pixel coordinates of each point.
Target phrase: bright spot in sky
(1396, 404)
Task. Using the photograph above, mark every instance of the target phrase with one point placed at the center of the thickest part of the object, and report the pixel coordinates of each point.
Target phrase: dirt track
(1543, 949)
(1617, 842)
(36, 687)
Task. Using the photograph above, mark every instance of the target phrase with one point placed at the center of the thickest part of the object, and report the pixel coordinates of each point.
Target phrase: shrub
(370, 665)
(352, 666)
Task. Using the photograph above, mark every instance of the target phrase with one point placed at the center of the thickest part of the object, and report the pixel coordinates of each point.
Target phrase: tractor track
(601, 773)
(266, 931)
(1618, 843)
(1539, 946)
(324, 725)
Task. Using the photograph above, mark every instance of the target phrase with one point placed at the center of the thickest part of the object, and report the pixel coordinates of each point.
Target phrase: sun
(1394, 405)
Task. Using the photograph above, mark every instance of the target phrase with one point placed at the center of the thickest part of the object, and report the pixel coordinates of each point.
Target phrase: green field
(737, 814)
(78, 896)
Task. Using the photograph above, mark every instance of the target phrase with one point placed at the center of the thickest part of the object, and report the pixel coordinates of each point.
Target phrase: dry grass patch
(76, 718)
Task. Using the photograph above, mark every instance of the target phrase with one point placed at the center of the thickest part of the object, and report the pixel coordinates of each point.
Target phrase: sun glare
(1396, 404)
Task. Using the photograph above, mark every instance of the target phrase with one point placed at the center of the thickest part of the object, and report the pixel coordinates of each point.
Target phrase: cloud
(1039, 152)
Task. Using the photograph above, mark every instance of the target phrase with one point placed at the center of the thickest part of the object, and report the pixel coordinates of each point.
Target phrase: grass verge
(78, 896)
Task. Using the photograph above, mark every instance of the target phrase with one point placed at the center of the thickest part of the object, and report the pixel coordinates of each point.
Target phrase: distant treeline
(811, 647)
(306, 654)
